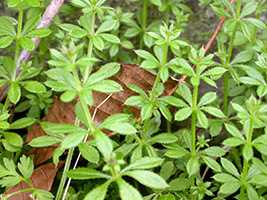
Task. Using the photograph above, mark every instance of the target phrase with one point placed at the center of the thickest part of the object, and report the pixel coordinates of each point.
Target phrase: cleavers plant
(205, 138)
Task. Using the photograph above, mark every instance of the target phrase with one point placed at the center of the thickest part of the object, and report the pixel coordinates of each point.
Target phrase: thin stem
(246, 162)
(228, 60)
(16, 56)
(163, 63)
(144, 15)
(19, 30)
(90, 46)
(64, 175)
(194, 120)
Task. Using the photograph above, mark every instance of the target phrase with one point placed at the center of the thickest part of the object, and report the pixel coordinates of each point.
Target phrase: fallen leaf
(42, 178)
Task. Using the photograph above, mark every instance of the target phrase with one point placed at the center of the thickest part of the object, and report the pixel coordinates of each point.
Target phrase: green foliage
(204, 140)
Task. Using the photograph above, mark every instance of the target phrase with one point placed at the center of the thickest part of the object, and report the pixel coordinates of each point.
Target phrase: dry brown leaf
(64, 113)
(42, 178)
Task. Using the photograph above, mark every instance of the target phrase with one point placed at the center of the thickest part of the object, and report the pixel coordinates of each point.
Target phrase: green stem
(228, 60)
(144, 15)
(90, 46)
(194, 120)
(164, 61)
(246, 162)
(16, 56)
(19, 30)
(89, 119)
(64, 175)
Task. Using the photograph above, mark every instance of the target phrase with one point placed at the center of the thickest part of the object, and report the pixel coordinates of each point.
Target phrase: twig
(47, 18)
(85, 139)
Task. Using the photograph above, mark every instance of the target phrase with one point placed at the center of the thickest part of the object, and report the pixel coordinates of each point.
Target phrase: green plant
(186, 121)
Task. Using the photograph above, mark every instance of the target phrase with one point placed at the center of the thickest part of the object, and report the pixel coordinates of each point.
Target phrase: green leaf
(256, 22)
(104, 72)
(89, 153)
(7, 26)
(233, 131)
(180, 184)
(148, 179)
(33, 3)
(40, 33)
(207, 98)
(233, 142)
(118, 123)
(183, 114)
(224, 178)
(98, 43)
(247, 152)
(184, 91)
(202, 119)
(22, 123)
(249, 8)
(6, 41)
(260, 165)
(106, 26)
(57, 129)
(213, 111)
(137, 89)
(98, 193)
(181, 66)
(106, 86)
(27, 43)
(167, 170)
(163, 138)
(229, 167)
(128, 192)
(148, 56)
(83, 173)
(252, 193)
(178, 152)
(171, 100)
(146, 111)
(26, 166)
(243, 57)
(12, 3)
(215, 151)
(229, 188)
(215, 72)
(73, 140)
(144, 163)
(14, 93)
(34, 87)
(68, 96)
(260, 179)
(211, 163)
(103, 143)
(165, 112)
(12, 141)
(156, 2)
(192, 166)
(44, 141)
(261, 148)
(149, 64)
(110, 38)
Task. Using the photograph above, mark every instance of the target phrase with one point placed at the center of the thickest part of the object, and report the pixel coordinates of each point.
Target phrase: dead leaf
(42, 178)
